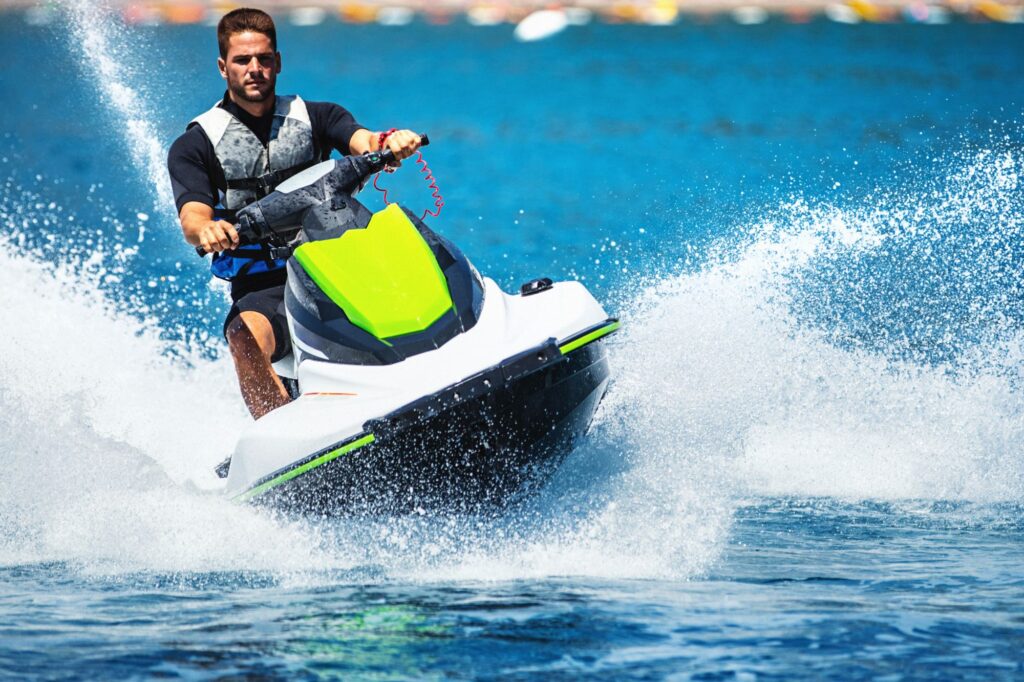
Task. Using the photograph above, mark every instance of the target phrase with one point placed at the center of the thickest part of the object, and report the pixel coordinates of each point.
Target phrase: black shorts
(263, 294)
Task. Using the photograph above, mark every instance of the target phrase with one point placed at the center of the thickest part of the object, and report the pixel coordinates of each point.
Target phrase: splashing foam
(859, 353)
(106, 447)
(102, 50)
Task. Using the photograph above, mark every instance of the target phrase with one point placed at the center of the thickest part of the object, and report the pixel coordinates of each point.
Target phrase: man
(236, 153)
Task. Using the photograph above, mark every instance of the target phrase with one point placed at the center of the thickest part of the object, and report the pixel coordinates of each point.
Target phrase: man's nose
(254, 64)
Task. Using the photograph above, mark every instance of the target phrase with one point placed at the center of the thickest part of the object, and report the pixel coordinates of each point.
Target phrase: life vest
(253, 170)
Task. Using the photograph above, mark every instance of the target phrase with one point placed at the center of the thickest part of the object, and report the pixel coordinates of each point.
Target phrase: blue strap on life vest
(251, 259)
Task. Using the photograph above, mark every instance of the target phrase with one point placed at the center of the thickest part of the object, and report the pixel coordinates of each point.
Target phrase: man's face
(251, 66)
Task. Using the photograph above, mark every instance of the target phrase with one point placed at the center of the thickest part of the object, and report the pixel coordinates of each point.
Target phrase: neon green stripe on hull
(592, 336)
(308, 466)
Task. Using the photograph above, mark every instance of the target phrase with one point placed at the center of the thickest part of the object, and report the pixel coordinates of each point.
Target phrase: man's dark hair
(242, 20)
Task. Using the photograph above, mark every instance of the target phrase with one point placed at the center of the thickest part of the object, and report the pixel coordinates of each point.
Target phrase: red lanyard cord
(435, 192)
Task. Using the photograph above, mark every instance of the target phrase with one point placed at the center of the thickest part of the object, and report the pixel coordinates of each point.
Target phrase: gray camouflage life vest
(253, 170)
(250, 168)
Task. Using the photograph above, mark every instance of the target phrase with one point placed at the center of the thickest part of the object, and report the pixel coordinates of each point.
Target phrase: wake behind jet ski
(419, 384)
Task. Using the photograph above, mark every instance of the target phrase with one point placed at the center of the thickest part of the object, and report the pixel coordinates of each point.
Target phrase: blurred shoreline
(478, 13)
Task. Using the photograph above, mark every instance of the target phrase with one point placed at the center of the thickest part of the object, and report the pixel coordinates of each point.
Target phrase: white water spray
(103, 51)
(108, 443)
(721, 368)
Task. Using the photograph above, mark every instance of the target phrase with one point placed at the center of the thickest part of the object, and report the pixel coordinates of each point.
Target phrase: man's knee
(250, 332)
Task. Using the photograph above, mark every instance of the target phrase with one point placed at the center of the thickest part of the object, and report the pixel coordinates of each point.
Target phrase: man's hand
(217, 236)
(403, 144)
(200, 229)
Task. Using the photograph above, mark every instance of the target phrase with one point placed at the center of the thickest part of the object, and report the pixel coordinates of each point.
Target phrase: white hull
(336, 400)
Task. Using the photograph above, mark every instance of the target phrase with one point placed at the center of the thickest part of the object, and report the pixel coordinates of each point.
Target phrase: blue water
(809, 463)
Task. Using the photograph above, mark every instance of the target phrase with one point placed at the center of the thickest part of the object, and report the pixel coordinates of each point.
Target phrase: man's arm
(363, 141)
(336, 128)
(189, 161)
(200, 229)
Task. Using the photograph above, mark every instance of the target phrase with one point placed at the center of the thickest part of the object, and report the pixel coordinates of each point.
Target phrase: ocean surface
(810, 461)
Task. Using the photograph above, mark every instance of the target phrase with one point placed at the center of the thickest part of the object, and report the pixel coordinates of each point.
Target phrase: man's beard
(238, 90)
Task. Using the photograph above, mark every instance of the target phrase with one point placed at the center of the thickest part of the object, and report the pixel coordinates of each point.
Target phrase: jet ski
(417, 384)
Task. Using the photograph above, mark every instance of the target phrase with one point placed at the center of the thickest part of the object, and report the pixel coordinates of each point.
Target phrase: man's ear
(277, 57)
(222, 67)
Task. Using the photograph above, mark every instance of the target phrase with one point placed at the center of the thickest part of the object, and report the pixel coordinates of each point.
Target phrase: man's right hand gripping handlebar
(217, 236)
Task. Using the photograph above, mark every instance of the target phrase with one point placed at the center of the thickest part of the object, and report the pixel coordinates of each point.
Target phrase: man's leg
(251, 340)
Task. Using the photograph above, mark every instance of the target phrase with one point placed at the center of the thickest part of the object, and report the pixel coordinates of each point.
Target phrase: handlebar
(378, 159)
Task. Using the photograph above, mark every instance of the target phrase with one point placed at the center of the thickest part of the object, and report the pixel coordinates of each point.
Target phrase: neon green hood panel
(384, 277)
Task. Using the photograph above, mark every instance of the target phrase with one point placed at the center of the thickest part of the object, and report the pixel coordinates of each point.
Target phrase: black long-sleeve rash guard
(196, 175)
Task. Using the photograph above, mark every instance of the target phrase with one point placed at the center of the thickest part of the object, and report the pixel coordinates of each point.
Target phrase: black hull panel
(476, 445)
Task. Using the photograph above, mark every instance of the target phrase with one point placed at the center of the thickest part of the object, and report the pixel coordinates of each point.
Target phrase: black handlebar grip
(201, 252)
